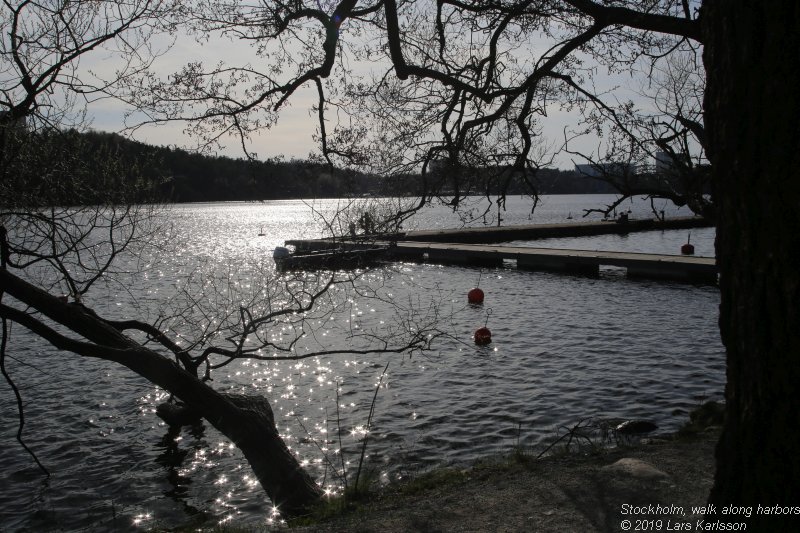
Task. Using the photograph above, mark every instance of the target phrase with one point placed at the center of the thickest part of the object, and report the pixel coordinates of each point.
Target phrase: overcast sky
(292, 136)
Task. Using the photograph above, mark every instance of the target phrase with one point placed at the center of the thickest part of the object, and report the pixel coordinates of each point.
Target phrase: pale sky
(292, 136)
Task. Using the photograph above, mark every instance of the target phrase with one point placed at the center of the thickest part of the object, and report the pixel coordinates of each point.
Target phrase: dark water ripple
(564, 348)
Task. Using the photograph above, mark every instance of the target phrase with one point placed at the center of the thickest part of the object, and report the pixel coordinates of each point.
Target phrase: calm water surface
(564, 348)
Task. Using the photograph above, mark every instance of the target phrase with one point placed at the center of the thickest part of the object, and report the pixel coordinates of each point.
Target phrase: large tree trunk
(247, 421)
(753, 121)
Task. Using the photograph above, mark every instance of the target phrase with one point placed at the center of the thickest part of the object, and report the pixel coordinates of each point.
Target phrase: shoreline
(657, 479)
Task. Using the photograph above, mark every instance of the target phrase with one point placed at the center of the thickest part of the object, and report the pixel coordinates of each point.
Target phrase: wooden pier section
(459, 246)
(528, 232)
(673, 267)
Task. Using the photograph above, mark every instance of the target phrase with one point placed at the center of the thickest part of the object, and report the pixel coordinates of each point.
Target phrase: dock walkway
(460, 246)
(675, 267)
(527, 232)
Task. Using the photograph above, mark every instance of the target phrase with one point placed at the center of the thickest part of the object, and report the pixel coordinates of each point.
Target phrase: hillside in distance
(177, 175)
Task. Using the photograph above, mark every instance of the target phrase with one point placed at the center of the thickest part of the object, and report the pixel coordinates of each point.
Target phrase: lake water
(565, 348)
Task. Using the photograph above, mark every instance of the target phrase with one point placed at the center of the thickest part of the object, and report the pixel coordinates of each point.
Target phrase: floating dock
(546, 231)
(674, 267)
(458, 246)
(528, 232)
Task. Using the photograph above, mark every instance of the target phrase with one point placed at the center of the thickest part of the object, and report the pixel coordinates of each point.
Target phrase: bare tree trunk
(247, 421)
(752, 114)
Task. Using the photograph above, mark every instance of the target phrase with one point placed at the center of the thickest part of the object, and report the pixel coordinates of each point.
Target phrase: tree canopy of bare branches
(455, 90)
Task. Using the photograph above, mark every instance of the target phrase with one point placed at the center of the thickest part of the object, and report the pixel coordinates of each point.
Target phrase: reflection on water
(564, 348)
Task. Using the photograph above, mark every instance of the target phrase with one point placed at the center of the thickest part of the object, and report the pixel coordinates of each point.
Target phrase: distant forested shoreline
(177, 175)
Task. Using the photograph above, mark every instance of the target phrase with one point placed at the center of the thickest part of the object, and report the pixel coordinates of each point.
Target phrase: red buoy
(475, 296)
(483, 336)
(688, 248)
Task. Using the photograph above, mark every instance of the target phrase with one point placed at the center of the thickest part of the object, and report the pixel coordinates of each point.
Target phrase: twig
(339, 436)
(314, 441)
(20, 411)
(4, 257)
(369, 424)
(570, 433)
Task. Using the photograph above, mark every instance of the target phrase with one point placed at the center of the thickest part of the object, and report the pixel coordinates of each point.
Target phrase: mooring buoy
(483, 336)
(475, 296)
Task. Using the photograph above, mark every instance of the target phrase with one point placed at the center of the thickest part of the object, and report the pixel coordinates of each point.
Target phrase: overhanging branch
(612, 15)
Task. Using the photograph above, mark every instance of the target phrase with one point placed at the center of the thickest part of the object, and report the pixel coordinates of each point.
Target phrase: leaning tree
(54, 258)
(458, 90)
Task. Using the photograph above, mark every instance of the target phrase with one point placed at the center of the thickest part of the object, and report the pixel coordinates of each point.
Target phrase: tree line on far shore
(177, 175)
